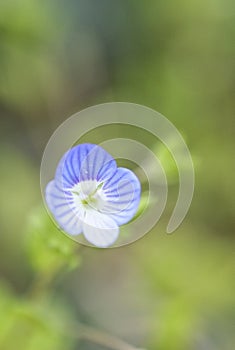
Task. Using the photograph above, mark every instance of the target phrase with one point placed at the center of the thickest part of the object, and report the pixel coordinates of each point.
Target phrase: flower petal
(84, 162)
(100, 229)
(61, 205)
(122, 193)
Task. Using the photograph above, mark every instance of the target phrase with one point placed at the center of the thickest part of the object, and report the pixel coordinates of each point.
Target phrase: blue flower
(91, 195)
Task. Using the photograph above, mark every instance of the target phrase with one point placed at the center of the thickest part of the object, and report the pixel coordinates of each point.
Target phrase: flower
(91, 195)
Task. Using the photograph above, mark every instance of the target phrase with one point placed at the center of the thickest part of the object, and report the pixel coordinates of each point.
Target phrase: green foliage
(186, 298)
(48, 248)
(30, 325)
(38, 319)
(27, 31)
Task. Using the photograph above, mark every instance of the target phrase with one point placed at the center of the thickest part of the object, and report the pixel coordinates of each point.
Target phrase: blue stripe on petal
(123, 203)
(63, 209)
(73, 162)
(59, 214)
(125, 184)
(93, 174)
(98, 164)
(115, 193)
(64, 191)
(71, 224)
(84, 162)
(84, 171)
(63, 204)
(70, 175)
(115, 179)
(63, 179)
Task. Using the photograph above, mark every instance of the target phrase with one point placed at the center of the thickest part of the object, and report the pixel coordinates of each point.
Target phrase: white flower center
(89, 194)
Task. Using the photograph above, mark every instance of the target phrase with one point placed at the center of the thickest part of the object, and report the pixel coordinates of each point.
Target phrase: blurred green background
(164, 292)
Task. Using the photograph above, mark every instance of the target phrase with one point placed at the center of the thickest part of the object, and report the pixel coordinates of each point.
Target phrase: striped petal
(100, 229)
(122, 194)
(61, 205)
(84, 162)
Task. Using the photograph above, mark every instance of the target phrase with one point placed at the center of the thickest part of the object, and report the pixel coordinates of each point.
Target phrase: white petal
(100, 229)
(62, 206)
